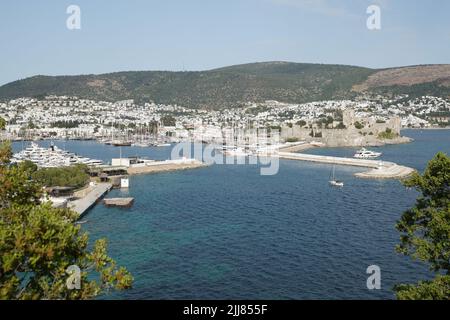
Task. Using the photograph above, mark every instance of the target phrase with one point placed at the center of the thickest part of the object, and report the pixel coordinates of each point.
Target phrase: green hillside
(219, 88)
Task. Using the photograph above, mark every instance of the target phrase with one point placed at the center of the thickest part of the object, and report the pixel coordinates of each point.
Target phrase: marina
(116, 174)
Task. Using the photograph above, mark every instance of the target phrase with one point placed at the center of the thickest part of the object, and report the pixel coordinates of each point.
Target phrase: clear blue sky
(203, 34)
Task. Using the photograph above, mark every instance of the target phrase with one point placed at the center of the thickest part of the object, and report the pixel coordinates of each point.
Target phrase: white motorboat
(367, 154)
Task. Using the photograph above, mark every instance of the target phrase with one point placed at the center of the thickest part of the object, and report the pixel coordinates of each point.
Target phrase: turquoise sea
(226, 232)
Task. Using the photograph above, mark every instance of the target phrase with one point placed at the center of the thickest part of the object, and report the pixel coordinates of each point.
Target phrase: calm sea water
(225, 232)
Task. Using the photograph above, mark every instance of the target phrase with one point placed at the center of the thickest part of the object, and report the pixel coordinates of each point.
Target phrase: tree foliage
(359, 125)
(388, 134)
(38, 243)
(168, 120)
(2, 124)
(74, 176)
(425, 230)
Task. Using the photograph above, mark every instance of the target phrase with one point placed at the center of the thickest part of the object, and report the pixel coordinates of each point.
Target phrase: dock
(165, 166)
(379, 169)
(118, 202)
(96, 192)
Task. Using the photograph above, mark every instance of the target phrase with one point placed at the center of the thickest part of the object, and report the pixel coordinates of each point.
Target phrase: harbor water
(226, 232)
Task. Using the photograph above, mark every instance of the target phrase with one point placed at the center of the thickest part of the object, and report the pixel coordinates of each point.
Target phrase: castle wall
(344, 137)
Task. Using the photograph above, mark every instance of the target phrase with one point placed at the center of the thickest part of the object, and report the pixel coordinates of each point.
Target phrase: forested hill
(230, 86)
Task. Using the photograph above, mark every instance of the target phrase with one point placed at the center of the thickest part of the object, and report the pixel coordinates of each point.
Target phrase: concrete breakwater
(379, 169)
(164, 166)
(97, 191)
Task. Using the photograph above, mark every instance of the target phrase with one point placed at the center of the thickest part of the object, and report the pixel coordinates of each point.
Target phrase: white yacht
(367, 154)
(51, 157)
(237, 152)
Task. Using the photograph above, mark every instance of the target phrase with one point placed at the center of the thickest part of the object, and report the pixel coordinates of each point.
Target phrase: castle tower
(348, 117)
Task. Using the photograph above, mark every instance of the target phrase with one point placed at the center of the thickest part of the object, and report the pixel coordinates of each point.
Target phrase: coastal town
(63, 117)
(280, 129)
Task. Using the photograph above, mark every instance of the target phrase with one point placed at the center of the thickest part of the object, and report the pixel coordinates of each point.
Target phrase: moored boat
(367, 154)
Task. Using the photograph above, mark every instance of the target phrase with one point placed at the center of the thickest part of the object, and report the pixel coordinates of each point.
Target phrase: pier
(379, 169)
(164, 166)
(119, 202)
(82, 205)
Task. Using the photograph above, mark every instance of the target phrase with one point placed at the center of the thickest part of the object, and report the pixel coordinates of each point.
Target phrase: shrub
(387, 135)
(358, 125)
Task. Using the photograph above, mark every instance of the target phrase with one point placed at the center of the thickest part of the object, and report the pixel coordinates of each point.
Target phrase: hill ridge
(233, 85)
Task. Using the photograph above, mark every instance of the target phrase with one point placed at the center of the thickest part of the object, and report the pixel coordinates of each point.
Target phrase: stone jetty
(379, 169)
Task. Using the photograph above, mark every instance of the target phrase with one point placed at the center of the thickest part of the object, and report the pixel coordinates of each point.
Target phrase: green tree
(2, 123)
(75, 176)
(358, 125)
(38, 243)
(32, 125)
(425, 230)
(168, 121)
(388, 134)
(301, 123)
(29, 167)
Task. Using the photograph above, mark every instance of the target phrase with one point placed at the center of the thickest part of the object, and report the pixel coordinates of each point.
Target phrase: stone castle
(357, 131)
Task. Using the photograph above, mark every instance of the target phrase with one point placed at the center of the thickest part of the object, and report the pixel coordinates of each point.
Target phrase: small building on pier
(104, 172)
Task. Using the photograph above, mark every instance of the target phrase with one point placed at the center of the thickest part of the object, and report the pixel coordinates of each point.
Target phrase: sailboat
(333, 181)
